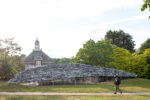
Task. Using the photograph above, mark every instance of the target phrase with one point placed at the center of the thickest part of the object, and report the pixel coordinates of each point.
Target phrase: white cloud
(106, 24)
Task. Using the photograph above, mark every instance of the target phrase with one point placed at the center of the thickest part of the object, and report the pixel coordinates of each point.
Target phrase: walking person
(117, 82)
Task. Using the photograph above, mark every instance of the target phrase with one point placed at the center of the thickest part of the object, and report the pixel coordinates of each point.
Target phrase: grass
(129, 85)
(118, 97)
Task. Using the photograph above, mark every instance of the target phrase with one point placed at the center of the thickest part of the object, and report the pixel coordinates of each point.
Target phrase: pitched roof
(34, 54)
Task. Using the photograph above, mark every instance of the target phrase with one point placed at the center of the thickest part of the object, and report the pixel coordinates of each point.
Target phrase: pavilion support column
(64, 82)
(86, 80)
(53, 82)
(75, 81)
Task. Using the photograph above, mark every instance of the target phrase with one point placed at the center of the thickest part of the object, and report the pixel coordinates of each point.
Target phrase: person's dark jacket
(117, 81)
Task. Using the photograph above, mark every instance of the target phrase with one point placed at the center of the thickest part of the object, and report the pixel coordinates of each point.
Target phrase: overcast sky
(63, 26)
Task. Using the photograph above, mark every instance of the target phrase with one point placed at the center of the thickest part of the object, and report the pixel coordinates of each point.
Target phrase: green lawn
(129, 85)
(117, 97)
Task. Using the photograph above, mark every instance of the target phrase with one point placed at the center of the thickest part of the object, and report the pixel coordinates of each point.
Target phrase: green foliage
(146, 5)
(121, 39)
(121, 59)
(139, 65)
(92, 53)
(103, 53)
(6, 67)
(18, 62)
(128, 85)
(120, 56)
(10, 60)
(61, 60)
(145, 50)
(135, 63)
(144, 46)
(79, 97)
(64, 60)
(87, 54)
(147, 69)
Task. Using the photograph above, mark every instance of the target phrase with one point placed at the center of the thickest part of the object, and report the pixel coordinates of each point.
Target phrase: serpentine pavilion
(40, 69)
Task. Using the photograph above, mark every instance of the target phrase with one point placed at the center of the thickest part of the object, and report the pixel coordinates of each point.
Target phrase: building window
(38, 63)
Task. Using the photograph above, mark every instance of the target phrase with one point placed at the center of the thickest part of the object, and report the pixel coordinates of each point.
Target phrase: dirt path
(52, 93)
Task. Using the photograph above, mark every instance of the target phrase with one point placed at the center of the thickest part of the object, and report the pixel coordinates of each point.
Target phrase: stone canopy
(66, 71)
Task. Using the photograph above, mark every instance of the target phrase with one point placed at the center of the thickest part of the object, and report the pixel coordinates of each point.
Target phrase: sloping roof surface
(65, 71)
(34, 53)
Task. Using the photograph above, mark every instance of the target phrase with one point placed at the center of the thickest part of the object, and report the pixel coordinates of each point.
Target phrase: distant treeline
(117, 51)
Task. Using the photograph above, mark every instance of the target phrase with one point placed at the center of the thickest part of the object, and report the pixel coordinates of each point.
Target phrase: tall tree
(92, 53)
(7, 69)
(87, 54)
(144, 46)
(10, 58)
(121, 39)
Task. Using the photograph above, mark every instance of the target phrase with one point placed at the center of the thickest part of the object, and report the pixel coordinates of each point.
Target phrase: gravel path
(52, 93)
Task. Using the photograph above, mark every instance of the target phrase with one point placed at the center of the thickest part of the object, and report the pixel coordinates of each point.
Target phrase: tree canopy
(95, 53)
(135, 63)
(144, 46)
(120, 58)
(116, 51)
(10, 59)
(146, 5)
(121, 39)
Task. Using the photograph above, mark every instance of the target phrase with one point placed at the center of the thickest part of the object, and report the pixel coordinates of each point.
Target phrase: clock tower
(37, 45)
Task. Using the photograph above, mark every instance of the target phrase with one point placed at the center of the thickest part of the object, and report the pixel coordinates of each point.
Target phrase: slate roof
(66, 71)
(34, 53)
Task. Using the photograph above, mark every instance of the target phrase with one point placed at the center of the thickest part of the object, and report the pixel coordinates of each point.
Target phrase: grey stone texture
(67, 72)
(40, 53)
